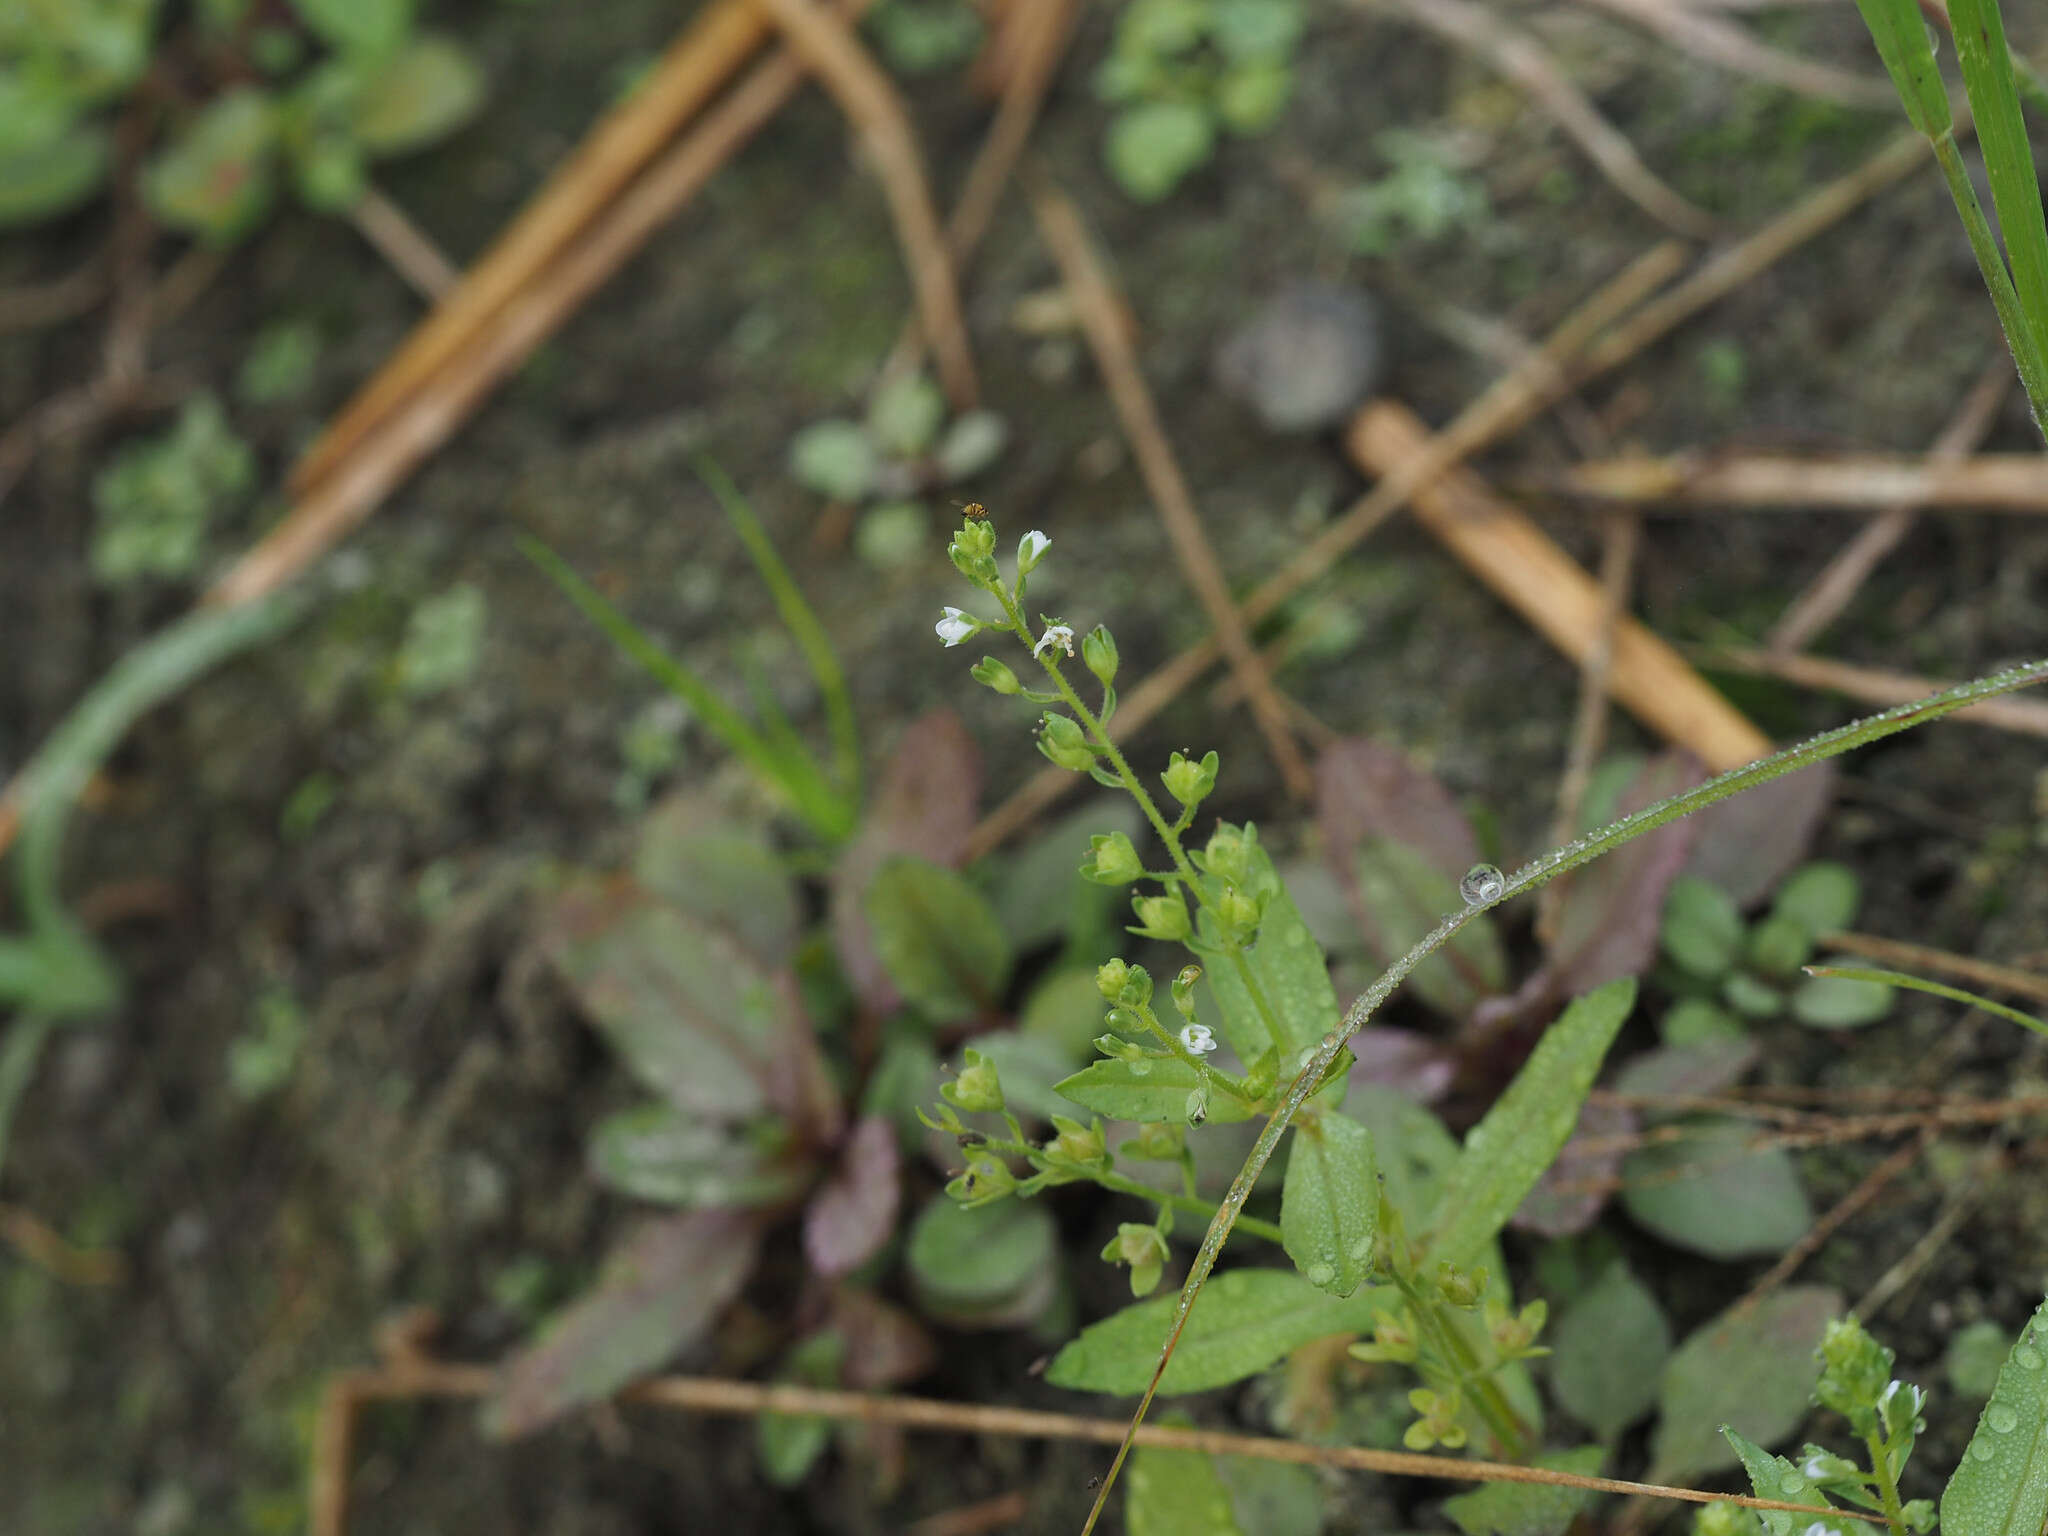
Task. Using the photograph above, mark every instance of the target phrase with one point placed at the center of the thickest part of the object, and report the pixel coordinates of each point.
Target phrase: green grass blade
(1994, 95)
(802, 623)
(1935, 988)
(1826, 745)
(1902, 42)
(2027, 354)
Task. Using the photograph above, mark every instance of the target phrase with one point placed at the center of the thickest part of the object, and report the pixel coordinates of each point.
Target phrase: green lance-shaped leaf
(1149, 1088)
(1902, 42)
(1606, 1351)
(938, 938)
(2008, 159)
(1715, 1191)
(1290, 969)
(2001, 1486)
(1506, 1153)
(657, 1153)
(1246, 1320)
(1329, 1206)
(1528, 1509)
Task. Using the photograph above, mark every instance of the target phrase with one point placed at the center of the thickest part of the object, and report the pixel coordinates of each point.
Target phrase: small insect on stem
(972, 509)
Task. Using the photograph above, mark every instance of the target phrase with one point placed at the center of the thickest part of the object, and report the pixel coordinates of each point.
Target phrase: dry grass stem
(414, 1377)
(708, 52)
(1527, 570)
(1520, 57)
(1992, 482)
(1099, 310)
(431, 415)
(32, 306)
(45, 1247)
(1868, 1188)
(830, 50)
(1714, 41)
(1871, 685)
(1033, 40)
(404, 246)
(1992, 1162)
(1829, 593)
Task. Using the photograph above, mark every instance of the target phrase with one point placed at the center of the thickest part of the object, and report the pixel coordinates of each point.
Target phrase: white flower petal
(1199, 1038)
(1031, 549)
(955, 627)
(1061, 635)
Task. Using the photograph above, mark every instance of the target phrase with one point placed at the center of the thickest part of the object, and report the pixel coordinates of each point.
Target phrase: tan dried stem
(1872, 685)
(405, 247)
(828, 47)
(1701, 479)
(1100, 309)
(1714, 41)
(1835, 587)
(1522, 59)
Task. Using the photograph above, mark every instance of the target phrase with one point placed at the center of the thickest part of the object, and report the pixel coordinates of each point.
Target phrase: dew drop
(1793, 1484)
(2027, 1358)
(1320, 1274)
(1982, 1450)
(2001, 1418)
(1362, 1249)
(1482, 883)
(1141, 1069)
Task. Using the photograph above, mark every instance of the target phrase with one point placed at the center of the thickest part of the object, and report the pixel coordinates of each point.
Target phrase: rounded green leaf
(989, 1266)
(1148, 1088)
(219, 176)
(1153, 146)
(1251, 96)
(1836, 1002)
(1715, 1191)
(971, 444)
(1973, 1357)
(894, 536)
(905, 414)
(1702, 931)
(1330, 1203)
(53, 178)
(431, 88)
(1177, 1493)
(654, 1153)
(1753, 1368)
(835, 459)
(1822, 897)
(1606, 1352)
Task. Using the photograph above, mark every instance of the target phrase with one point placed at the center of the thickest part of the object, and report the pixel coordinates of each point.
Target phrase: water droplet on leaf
(1320, 1274)
(2027, 1358)
(1141, 1069)
(1482, 883)
(1982, 1450)
(2001, 1418)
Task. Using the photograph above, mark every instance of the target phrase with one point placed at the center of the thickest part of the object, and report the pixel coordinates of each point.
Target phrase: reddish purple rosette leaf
(854, 1212)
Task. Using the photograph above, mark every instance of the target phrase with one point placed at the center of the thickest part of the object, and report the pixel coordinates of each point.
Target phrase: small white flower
(1060, 635)
(1199, 1038)
(1030, 550)
(956, 626)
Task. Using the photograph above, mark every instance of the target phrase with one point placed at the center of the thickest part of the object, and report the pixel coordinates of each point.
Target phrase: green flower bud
(977, 1090)
(1116, 1047)
(1061, 740)
(1515, 1336)
(985, 1182)
(1162, 917)
(1230, 853)
(1439, 1422)
(1098, 654)
(1190, 782)
(1109, 979)
(1919, 1516)
(1137, 988)
(996, 675)
(1393, 1338)
(1030, 550)
(1156, 1142)
(1458, 1288)
(1855, 1372)
(973, 553)
(1111, 860)
(1078, 1145)
(1144, 1249)
(1184, 991)
(1239, 910)
(1722, 1518)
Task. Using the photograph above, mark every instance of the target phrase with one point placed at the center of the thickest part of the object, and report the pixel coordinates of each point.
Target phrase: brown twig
(1871, 685)
(1868, 1188)
(421, 1378)
(1532, 575)
(829, 49)
(340, 501)
(1035, 38)
(997, 1514)
(31, 306)
(707, 53)
(1967, 1192)
(1824, 598)
(1863, 482)
(1714, 41)
(1098, 309)
(1520, 57)
(405, 247)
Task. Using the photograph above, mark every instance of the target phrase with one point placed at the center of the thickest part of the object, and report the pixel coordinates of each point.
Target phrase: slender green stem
(1550, 865)
(1235, 1087)
(1124, 1184)
(2020, 336)
(1935, 988)
(1502, 1422)
(1887, 1485)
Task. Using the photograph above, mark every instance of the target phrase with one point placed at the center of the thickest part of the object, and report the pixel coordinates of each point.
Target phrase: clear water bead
(2001, 1418)
(1482, 883)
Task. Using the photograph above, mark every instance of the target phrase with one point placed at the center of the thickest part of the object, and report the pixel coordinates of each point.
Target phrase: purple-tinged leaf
(1411, 1064)
(1746, 843)
(659, 1293)
(1574, 1189)
(695, 856)
(689, 1012)
(1698, 1070)
(853, 1214)
(1364, 789)
(657, 1153)
(938, 938)
(1751, 1367)
(924, 806)
(885, 1346)
(1607, 919)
